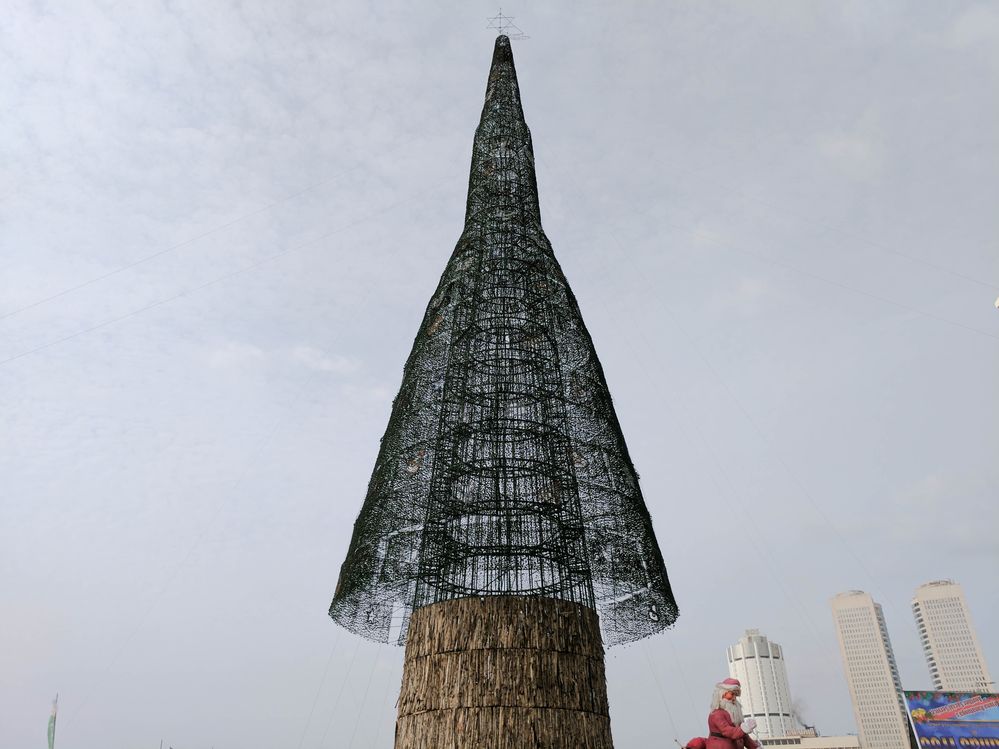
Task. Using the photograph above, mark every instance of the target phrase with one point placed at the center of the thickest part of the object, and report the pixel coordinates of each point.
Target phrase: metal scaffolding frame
(503, 470)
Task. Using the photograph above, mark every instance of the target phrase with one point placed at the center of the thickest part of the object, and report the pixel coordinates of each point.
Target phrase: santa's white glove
(748, 725)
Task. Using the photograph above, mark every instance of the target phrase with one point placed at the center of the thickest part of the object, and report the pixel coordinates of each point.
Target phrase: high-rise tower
(950, 644)
(758, 664)
(503, 511)
(871, 673)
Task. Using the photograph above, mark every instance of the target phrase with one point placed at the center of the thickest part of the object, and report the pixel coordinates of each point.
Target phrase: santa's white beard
(734, 709)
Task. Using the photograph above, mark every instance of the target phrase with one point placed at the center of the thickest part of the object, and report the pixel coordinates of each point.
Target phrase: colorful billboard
(954, 719)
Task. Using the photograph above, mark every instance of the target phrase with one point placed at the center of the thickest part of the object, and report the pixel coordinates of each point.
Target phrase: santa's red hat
(729, 685)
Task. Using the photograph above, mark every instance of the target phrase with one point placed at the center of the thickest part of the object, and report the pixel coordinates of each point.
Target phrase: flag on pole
(52, 720)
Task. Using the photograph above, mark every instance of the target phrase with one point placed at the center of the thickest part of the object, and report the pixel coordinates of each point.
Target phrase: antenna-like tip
(506, 27)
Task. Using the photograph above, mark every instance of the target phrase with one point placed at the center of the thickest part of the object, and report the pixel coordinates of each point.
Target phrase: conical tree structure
(503, 470)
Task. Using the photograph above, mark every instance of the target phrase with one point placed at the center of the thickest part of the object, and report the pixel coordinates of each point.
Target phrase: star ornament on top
(505, 25)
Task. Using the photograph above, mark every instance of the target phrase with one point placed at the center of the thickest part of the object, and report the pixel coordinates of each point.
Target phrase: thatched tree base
(503, 672)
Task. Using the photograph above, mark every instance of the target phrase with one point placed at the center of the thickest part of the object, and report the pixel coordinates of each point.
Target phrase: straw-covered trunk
(503, 672)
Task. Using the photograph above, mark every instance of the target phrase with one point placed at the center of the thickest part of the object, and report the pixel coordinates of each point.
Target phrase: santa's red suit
(724, 734)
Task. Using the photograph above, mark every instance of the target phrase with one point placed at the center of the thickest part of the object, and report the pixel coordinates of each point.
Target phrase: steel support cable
(659, 687)
(364, 698)
(775, 261)
(381, 723)
(782, 210)
(780, 459)
(424, 194)
(759, 549)
(764, 553)
(172, 248)
(772, 450)
(227, 498)
(637, 357)
(768, 560)
(798, 483)
(211, 231)
(683, 676)
(257, 450)
(339, 694)
(322, 683)
(815, 276)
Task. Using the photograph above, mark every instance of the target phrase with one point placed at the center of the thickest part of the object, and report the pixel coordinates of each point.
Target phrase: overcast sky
(221, 223)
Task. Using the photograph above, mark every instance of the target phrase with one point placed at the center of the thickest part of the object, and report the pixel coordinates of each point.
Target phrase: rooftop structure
(814, 742)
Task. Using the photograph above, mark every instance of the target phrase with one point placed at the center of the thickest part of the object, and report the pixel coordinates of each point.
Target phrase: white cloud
(368, 393)
(857, 154)
(235, 354)
(705, 235)
(745, 298)
(751, 289)
(977, 25)
(922, 507)
(313, 358)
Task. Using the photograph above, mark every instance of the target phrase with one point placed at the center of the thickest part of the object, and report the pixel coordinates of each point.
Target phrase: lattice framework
(503, 470)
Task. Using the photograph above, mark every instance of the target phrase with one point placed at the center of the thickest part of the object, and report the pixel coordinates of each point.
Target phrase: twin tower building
(953, 655)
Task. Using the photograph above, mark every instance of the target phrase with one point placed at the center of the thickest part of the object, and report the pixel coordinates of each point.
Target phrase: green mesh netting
(503, 470)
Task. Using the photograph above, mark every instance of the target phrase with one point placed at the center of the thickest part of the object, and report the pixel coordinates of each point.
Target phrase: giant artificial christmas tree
(503, 512)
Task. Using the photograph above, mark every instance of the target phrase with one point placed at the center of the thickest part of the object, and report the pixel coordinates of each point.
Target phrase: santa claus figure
(727, 728)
